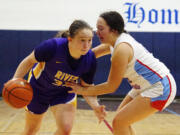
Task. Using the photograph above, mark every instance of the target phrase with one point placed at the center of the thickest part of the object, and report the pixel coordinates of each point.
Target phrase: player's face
(103, 30)
(83, 41)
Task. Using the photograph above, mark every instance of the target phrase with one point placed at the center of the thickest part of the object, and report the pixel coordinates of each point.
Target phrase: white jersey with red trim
(144, 69)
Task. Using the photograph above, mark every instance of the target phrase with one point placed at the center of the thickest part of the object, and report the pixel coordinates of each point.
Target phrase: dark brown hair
(114, 20)
(74, 28)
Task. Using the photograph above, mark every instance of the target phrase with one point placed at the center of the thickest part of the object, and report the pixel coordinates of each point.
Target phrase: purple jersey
(54, 69)
(56, 66)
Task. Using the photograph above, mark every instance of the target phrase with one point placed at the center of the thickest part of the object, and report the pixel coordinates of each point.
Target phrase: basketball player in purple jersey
(51, 64)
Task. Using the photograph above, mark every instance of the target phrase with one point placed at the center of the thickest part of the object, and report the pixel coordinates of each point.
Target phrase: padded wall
(15, 45)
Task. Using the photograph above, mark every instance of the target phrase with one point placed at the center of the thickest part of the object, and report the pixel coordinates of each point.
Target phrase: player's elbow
(112, 87)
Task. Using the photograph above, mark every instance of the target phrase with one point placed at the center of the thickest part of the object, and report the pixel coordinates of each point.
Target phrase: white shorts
(161, 93)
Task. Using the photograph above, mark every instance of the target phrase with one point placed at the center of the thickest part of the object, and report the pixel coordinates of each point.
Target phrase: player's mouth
(101, 38)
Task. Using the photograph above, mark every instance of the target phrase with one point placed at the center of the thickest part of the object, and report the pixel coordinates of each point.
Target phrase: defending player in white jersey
(153, 87)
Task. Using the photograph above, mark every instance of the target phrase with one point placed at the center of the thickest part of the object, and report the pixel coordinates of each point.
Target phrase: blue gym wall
(15, 45)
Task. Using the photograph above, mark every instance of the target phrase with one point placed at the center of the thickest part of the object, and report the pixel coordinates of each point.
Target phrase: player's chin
(103, 41)
(84, 52)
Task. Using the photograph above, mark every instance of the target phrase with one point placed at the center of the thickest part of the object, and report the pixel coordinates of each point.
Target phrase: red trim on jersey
(149, 68)
(160, 103)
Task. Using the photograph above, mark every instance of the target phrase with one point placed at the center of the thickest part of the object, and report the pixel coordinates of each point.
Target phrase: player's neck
(113, 40)
(73, 52)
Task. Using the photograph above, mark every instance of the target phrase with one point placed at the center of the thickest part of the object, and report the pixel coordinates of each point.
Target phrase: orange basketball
(17, 93)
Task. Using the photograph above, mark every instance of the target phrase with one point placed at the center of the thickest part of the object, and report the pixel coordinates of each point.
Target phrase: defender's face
(83, 41)
(103, 30)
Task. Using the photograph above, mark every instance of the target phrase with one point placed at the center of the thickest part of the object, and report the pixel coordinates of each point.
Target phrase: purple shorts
(43, 100)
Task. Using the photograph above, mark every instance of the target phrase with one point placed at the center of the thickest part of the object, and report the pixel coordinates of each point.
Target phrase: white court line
(9, 121)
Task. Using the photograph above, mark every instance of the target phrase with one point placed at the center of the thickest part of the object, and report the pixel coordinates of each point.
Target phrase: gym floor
(161, 123)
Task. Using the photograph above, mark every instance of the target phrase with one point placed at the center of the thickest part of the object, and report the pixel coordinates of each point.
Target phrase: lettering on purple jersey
(61, 77)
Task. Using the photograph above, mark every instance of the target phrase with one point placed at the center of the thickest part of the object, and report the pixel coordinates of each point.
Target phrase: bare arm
(25, 65)
(117, 70)
(101, 50)
(122, 55)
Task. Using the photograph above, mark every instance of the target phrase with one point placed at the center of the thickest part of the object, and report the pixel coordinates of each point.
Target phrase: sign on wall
(146, 15)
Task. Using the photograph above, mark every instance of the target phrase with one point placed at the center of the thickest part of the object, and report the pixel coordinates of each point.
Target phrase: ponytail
(63, 34)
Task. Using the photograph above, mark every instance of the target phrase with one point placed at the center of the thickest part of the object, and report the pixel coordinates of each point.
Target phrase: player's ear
(114, 31)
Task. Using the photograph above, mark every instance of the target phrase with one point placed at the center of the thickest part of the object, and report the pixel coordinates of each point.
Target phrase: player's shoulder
(91, 54)
(60, 41)
(90, 57)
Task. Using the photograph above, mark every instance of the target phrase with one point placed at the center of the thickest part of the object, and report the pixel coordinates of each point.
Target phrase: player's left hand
(76, 88)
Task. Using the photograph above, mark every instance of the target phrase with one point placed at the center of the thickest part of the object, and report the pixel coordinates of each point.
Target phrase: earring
(69, 39)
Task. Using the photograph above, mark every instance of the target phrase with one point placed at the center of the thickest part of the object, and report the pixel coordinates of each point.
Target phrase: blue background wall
(15, 45)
